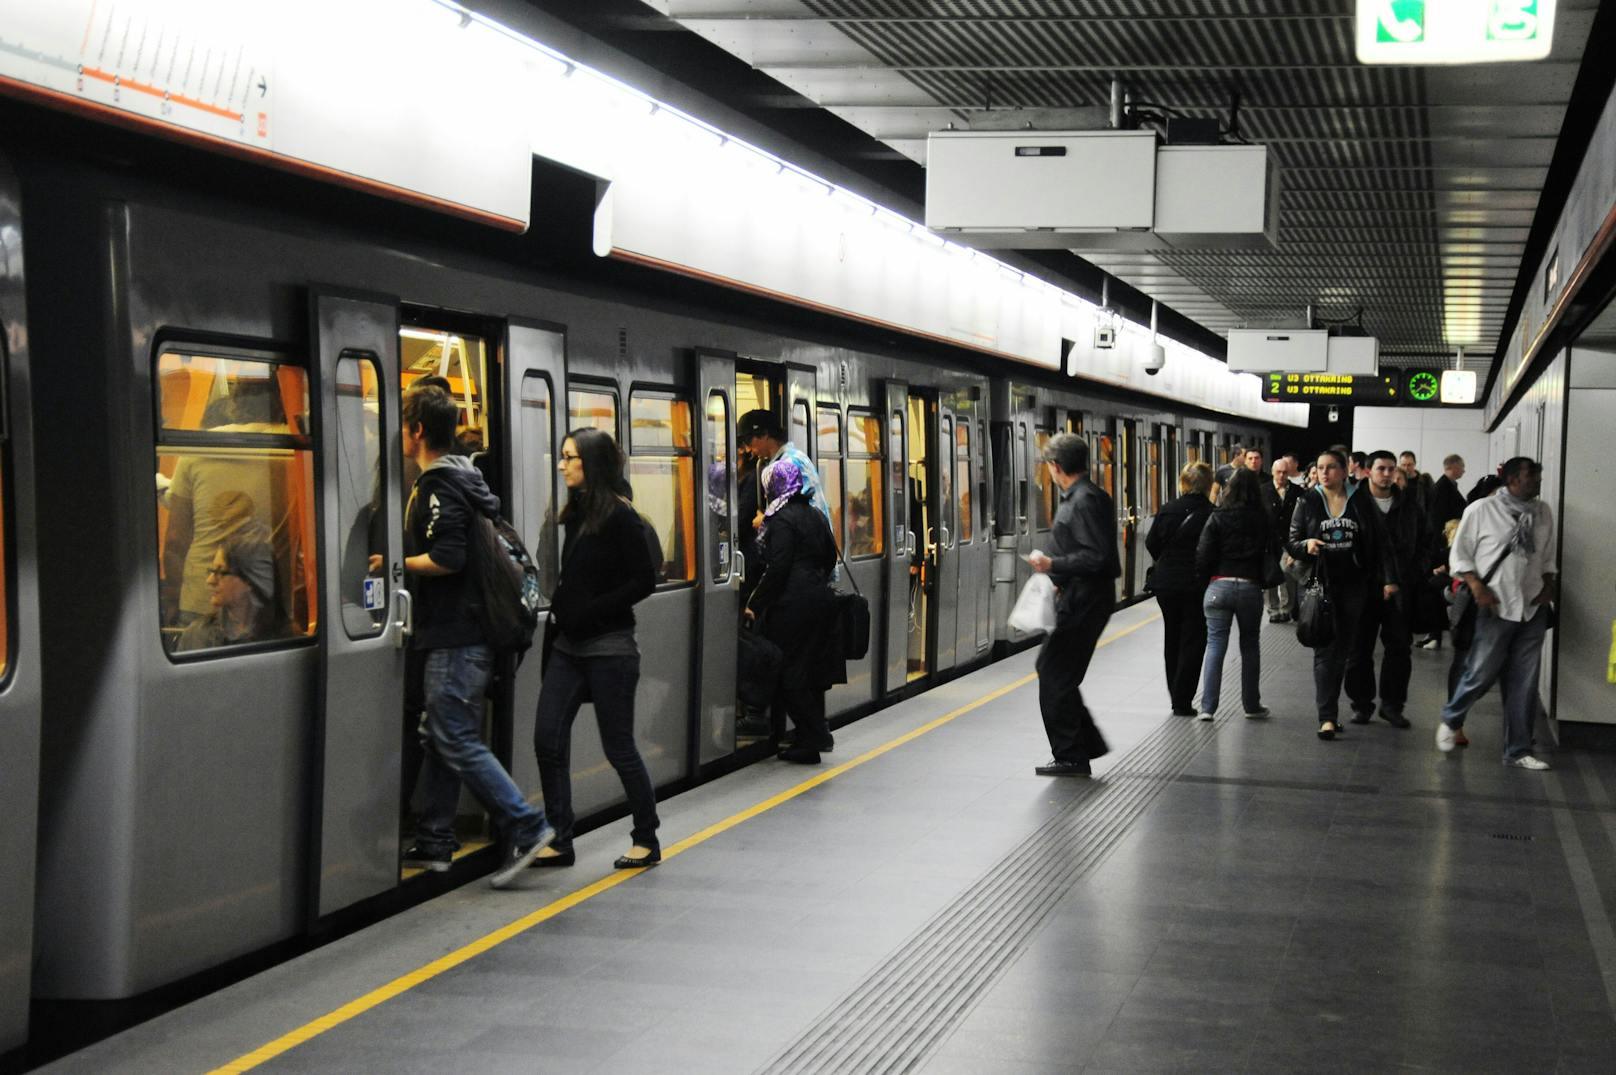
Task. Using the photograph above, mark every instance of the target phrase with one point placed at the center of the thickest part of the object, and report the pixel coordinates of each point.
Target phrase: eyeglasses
(223, 572)
(565, 458)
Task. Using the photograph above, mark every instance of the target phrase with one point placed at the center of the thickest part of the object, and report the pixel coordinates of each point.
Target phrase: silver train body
(191, 809)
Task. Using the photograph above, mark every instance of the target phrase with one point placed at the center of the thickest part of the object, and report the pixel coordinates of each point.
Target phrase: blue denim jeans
(452, 686)
(1511, 654)
(1226, 601)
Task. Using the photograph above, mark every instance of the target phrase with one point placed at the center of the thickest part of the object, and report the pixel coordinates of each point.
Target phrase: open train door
(364, 610)
(720, 565)
(900, 553)
(946, 609)
(535, 372)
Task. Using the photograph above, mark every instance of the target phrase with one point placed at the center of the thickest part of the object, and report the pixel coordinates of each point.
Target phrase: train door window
(715, 434)
(1044, 503)
(1106, 468)
(536, 433)
(829, 460)
(592, 408)
(662, 470)
(900, 480)
(799, 432)
(866, 495)
(361, 476)
(235, 500)
(1192, 448)
(982, 475)
(1153, 475)
(962, 478)
(5, 561)
(1023, 461)
(945, 480)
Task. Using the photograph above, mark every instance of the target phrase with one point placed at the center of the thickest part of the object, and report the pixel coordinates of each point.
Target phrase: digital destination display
(1417, 387)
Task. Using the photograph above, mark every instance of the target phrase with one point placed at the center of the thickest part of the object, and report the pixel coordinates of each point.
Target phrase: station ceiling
(1407, 191)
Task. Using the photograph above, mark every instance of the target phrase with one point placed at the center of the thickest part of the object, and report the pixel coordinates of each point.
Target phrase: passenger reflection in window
(241, 596)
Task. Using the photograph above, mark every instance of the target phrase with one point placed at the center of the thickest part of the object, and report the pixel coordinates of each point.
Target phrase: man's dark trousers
(1084, 608)
(1389, 621)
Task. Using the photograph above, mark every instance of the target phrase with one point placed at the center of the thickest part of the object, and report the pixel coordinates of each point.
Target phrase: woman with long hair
(797, 607)
(1171, 543)
(1340, 533)
(241, 595)
(1231, 561)
(589, 641)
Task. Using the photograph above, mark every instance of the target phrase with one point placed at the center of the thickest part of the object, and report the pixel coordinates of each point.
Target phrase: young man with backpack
(441, 546)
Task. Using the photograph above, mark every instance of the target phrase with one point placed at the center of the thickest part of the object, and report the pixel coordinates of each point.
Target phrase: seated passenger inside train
(241, 596)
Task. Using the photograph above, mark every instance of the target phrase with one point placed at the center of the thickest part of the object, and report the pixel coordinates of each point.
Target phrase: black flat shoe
(1064, 768)
(565, 858)
(1327, 730)
(799, 755)
(625, 863)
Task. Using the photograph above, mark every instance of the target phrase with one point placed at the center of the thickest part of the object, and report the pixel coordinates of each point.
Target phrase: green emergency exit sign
(1454, 31)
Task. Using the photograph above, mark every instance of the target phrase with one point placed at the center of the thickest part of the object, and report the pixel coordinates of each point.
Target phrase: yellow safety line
(406, 982)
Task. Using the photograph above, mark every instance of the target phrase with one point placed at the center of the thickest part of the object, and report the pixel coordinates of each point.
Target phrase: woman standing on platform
(1231, 561)
(1171, 543)
(1340, 534)
(591, 652)
(797, 607)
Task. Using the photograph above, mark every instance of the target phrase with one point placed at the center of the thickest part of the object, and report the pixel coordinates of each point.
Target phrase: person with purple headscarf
(796, 607)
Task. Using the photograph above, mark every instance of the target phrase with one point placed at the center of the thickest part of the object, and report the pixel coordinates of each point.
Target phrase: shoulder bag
(1462, 606)
(1315, 619)
(852, 616)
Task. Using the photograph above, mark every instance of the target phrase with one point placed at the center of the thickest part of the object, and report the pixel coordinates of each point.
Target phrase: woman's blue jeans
(1226, 601)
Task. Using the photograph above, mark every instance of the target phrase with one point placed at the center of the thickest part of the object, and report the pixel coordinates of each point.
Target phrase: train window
(716, 437)
(945, 482)
(1022, 462)
(1106, 468)
(866, 497)
(1153, 480)
(592, 408)
(829, 460)
(463, 362)
(662, 470)
(1044, 503)
(900, 483)
(799, 424)
(536, 428)
(361, 474)
(981, 463)
(962, 478)
(235, 501)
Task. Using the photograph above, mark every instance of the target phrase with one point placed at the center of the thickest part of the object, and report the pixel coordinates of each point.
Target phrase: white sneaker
(1444, 736)
(1526, 761)
(1207, 716)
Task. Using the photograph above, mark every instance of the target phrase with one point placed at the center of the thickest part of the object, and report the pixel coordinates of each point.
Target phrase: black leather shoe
(1183, 712)
(566, 857)
(1362, 716)
(799, 755)
(1394, 717)
(1064, 768)
(625, 863)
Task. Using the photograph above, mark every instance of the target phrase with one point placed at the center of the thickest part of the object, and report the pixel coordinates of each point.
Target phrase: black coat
(1409, 542)
(1171, 543)
(603, 575)
(1280, 509)
(1368, 555)
(1445, 502)
(794, 600)
(1083, 537)
(1235, 543)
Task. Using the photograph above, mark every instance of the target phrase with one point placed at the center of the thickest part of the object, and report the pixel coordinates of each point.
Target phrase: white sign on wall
(1458, 386)
(1454, 31)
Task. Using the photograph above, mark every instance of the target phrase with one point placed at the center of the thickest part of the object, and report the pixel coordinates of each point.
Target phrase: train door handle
(404, 625)
(948, 539)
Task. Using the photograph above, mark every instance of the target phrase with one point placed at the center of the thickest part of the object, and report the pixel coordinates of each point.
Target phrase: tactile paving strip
(908, 1005)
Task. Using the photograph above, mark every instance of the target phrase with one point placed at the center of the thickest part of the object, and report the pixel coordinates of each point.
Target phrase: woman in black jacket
(797, 608)
(1171, 543)
(1342, 534)
(591, 653)
(1231, 562)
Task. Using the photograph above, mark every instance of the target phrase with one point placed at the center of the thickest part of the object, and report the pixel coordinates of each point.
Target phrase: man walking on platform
(1408, 547)
(1502, 552)
(1280, 497)
(1446, 501)
(1084, 566)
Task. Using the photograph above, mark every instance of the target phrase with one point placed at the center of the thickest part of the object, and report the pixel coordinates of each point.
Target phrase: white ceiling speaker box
(1036, 189)
(1288, 350)
(1098, 190)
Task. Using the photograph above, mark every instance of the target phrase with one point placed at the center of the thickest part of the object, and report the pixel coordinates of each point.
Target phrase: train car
(214, 360)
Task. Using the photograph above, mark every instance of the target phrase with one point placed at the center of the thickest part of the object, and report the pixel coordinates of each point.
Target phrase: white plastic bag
(1035, 608)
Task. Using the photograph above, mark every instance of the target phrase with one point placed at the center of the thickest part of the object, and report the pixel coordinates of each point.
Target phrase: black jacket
(1408, 536)
(794, 599)
(1280, 509)
(1234, 544)
(442, 506)
(1171, 543)
(1084, 535)
(603, 575)
(1368, 555)
(1445, 502)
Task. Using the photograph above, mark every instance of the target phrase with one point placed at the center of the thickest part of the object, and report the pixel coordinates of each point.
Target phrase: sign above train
(1453, 31)
(394, 97)
(1418, 388)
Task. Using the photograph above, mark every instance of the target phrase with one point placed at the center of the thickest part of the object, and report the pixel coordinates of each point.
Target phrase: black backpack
(506, 582)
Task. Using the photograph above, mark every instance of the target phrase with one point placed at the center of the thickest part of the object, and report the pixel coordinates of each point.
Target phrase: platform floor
(1232, 896)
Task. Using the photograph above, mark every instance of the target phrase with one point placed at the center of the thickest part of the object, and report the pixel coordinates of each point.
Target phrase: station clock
(1423, 386)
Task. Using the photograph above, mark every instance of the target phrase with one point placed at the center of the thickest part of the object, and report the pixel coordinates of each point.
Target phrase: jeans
(1347, 601)
(1390, 621)
(1510, 653)
(610, 682)
(452, 686)
(1080, 619)
(1226, 601)
(1183, 645)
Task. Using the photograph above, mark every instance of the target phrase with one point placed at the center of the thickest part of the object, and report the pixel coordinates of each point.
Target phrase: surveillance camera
(1105, 338)
(1155, 358)
(1335, 414)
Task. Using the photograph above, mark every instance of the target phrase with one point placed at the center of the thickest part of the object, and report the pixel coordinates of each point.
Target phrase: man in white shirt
(1508, 536)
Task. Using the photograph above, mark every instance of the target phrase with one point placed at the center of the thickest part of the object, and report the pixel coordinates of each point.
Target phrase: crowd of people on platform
(1361, 551)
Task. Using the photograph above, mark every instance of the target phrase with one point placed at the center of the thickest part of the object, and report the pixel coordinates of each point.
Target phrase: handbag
(1315, 620)
(852, 618)
(1462, 602)
(758, 663)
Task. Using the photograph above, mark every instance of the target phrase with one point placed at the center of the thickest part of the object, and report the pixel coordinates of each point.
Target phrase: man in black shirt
(1084, 565)
(1446, 502)
(1408, 546)
(456, 658)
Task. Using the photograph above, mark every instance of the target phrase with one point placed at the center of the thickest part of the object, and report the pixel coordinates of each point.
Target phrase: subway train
(205, 356)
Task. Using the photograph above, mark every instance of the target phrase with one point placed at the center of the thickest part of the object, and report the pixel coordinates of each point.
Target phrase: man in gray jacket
(1084, 565)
